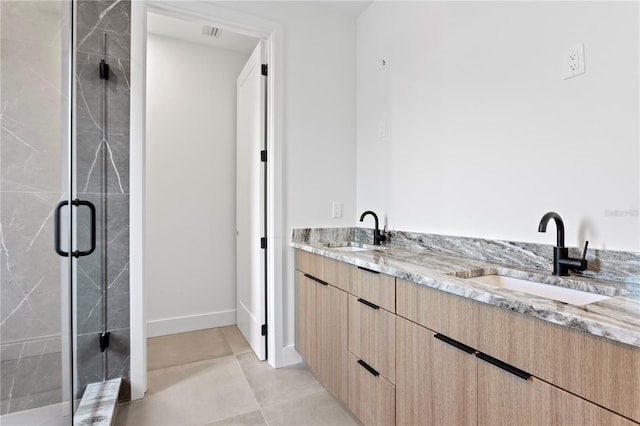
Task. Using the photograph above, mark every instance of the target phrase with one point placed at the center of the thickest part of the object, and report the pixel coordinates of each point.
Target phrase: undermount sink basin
(561, 294)
(350, 248)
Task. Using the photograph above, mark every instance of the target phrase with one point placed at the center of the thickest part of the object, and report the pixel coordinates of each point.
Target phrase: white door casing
(250, 201)
(280, 354)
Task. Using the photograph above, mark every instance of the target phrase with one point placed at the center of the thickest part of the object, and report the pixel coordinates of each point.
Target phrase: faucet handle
(584, 252)
(580, 264)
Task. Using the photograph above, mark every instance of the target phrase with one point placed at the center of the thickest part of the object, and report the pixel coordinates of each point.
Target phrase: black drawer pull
(369, 304)
(319, 281)
(455, 343)
(503, 365)
(368, 270)
(368, 368)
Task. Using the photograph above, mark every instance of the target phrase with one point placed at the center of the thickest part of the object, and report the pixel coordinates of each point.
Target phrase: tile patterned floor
(211, 377)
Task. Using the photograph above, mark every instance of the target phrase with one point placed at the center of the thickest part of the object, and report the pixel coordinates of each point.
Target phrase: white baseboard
(162, 327)
(290, 356)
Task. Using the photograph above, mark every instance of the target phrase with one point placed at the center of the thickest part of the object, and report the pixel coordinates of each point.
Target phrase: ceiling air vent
(210, 31)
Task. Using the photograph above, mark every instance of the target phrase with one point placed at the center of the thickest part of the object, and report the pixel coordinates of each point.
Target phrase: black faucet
(561, 260)
(377, 236)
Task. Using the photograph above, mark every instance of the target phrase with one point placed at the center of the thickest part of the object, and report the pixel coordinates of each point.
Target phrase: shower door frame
(255, 27)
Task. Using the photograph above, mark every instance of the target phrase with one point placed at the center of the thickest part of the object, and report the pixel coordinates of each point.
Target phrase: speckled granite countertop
(616, 318)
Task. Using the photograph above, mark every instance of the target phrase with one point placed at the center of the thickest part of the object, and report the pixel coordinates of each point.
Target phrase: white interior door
(250, 201)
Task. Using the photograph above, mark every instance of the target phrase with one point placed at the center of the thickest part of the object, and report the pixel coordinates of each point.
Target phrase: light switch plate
(336, 210)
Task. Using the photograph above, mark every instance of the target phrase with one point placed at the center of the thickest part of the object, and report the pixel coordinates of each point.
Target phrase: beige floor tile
(271, 385)
(236, 340)
(316, 409)
(182, 348)
(191, 394)
(254, 418)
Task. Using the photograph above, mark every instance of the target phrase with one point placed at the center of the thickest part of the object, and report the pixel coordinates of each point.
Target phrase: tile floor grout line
(242, 354)
(251, 387)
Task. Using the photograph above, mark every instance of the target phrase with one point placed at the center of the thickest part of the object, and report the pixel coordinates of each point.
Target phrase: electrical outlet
(574, 61)
(336, 210)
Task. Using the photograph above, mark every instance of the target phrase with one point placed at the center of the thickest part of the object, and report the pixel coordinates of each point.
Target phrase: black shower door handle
(56, 237)
(76, 203)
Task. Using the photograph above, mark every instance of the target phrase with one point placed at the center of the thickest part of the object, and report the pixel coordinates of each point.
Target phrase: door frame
(241, 23)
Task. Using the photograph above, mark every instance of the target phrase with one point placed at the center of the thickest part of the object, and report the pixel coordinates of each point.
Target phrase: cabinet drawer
(445, 313)
(372, 398)
(323, 268)
(372, 336)
(377, 288)
(591, 367)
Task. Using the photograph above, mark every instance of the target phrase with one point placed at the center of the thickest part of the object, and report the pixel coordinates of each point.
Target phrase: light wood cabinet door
(331, 343)
(306, 319)
(599, 370)
(372, 336)
(506, 399)
(436, 383)
(372, 398)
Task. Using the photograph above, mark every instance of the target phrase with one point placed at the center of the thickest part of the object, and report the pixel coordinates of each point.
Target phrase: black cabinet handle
(503, 365)
(455, 343)
(75, 203)
(369, 368)
(319, 281)
(369, 304)
(368, 270)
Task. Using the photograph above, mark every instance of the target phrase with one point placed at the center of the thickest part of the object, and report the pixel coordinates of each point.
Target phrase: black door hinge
(263, 156)
(264, 329)
(263, 242)
(265, 69)
(104, 70)
(104, 341)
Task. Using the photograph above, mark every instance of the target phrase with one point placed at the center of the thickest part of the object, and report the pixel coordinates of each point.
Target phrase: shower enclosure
(64, 282)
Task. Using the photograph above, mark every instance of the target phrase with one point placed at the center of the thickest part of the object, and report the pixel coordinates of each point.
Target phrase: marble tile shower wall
(111, 195)
(31, 157)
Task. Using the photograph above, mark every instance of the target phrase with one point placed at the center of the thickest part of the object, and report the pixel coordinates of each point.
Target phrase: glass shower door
(64, 203)
(35, 283)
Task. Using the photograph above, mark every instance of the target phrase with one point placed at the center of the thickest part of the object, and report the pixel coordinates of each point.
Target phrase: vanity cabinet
(321, 330)
(372, 350)
(505, 399)
(348, 339)
(377, 288)
(598, 370)
(372, 398)
(398, 352)
(306, 319)
(573, 377)
(436, 381)
(372, 336)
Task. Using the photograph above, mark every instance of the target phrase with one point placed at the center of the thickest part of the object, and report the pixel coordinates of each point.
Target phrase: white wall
(483, 136)
(319, 126)
(190, 200)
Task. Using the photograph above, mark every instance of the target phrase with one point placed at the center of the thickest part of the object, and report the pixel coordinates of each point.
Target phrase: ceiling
(191, 31)
(346, 7)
